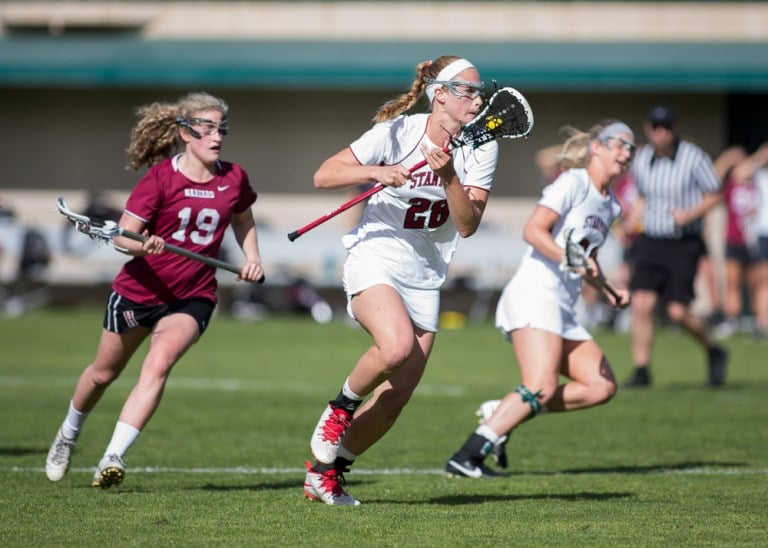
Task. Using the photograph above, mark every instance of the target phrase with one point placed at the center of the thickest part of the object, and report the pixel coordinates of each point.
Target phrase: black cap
(662, 115)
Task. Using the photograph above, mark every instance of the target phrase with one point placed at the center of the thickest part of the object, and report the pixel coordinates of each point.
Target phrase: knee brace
(530, 398)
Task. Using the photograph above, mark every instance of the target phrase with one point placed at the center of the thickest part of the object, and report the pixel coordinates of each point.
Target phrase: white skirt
(361, 273)
(540, 308)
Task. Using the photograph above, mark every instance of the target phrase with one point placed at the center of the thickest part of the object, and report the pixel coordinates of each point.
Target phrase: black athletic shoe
(470, 468)
(640, 378)
(499, 452)
(718, 358)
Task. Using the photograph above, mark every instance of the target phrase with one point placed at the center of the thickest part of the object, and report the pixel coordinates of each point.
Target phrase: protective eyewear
(204, 126)
(626, 144)
(460, 88)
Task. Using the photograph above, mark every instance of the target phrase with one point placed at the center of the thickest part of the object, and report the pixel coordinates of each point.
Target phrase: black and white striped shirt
(673, 183)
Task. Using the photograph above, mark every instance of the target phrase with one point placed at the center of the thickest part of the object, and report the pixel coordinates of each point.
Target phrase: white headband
(450, 71)
(612, 129)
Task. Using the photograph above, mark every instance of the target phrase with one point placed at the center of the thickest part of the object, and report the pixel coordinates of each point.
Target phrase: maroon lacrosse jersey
(187, 214)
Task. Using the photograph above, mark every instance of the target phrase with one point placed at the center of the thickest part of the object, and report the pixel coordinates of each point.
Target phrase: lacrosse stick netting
(506, 116)
(576, 256)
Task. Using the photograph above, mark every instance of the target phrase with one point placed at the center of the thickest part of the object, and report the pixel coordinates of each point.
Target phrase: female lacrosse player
(189, 199)
(536, 308)
(397, 257)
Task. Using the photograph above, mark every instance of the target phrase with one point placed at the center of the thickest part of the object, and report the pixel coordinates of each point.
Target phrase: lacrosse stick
(110, 229)
(506, 116)
(575, 256)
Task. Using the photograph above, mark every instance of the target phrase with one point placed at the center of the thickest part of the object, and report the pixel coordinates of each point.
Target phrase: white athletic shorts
(541, 308)
(423, 305)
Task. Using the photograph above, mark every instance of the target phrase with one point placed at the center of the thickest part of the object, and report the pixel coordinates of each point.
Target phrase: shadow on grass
(480, 499)
(265, 486)
(694, 385)
(21, 451)
(646, 469)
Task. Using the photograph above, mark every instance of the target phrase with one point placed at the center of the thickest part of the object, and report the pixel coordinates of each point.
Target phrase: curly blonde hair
(426, 69)
(575, 151)
(156, 134)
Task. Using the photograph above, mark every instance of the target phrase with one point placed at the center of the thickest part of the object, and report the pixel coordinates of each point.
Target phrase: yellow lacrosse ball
(493, 123)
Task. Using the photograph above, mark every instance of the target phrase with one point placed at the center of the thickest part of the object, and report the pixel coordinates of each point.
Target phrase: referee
(677, 186)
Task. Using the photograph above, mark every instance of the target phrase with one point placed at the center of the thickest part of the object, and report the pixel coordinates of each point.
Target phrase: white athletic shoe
(111, 471)
(327, 487)
(326, 438)
(486, 409)
(499, 451)
(59, 457)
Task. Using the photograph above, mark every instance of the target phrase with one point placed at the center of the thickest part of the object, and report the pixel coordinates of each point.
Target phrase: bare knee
(102, 377)
(603, 386)
(393, 355)
(604, 390)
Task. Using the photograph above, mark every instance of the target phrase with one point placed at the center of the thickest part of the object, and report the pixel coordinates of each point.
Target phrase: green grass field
(221, 462)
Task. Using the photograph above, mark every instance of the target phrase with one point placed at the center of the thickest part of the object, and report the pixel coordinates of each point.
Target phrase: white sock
(488, 434)
(347, 391)
(71, 426)
(122, 438)
(345, 454)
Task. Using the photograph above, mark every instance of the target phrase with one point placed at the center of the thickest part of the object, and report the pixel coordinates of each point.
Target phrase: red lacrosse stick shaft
(346, 205)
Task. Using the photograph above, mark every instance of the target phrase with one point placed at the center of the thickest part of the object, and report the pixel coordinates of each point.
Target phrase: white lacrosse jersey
(584, 209)
(408, 230)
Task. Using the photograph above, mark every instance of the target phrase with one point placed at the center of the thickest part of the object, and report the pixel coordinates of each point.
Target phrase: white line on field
(226, 385)
(392, 471)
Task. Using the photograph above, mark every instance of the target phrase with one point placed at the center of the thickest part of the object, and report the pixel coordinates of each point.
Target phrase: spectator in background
(741, 201)
(677, 186)
(755, 168)
(626, 232)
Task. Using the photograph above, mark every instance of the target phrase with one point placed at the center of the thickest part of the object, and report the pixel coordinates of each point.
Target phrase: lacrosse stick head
(84, 224)
(575, 254)
(507, 115)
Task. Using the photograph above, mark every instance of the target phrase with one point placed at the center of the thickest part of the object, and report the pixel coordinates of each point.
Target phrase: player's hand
(439, 161)
(154, 244)
(395, 176)
(623, 301)
(252, 271)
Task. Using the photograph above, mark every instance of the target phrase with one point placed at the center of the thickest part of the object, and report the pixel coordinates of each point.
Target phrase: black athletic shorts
(667, 266)
(122, 314)
(739, 253)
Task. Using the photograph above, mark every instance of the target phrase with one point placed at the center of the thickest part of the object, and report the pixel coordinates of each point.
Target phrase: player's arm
(538, 233)
(152, 246)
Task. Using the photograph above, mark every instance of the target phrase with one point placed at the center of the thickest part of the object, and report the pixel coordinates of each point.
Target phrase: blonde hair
(575, 151)
(156, 134)
(426, 69)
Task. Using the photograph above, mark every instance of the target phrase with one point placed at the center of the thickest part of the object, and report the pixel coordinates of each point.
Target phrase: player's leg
(380, 310)
(112, 355)
(171, 337)
(591, 383)
(539, 354)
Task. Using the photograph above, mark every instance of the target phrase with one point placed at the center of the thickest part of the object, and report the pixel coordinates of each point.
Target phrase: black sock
(321, 467)
(476, 447)
(346, 403)
(342, 465)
